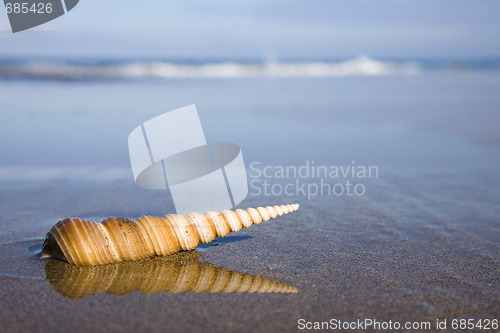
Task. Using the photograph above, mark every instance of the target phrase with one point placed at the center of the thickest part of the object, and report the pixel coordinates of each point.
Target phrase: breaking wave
(360, 66)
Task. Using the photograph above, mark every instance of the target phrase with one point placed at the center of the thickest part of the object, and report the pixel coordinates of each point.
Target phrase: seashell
(116, 239)
(173, 274)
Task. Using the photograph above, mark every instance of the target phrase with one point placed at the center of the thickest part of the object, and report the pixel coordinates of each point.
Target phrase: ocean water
(421, 242)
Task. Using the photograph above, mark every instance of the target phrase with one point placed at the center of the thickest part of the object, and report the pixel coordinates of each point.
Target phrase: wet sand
(422, 244)
(349, 259)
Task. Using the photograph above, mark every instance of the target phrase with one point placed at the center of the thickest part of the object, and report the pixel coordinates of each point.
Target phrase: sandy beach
(421, 245)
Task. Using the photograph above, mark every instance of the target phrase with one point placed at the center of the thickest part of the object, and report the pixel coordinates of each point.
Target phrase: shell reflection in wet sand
(173, 274)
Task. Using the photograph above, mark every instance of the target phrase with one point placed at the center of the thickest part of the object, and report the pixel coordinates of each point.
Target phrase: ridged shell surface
(117, 239)
(181, 273)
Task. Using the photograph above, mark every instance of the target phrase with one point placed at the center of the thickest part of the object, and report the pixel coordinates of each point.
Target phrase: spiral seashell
(173, 274)
(116, 239)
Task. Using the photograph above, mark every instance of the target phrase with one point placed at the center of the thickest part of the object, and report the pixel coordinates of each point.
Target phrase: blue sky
(262, 28)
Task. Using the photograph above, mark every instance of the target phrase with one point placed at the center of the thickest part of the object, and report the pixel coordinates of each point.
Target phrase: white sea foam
(361, 66)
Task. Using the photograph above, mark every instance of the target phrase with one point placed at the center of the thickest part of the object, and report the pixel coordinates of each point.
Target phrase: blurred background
(405, 85)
